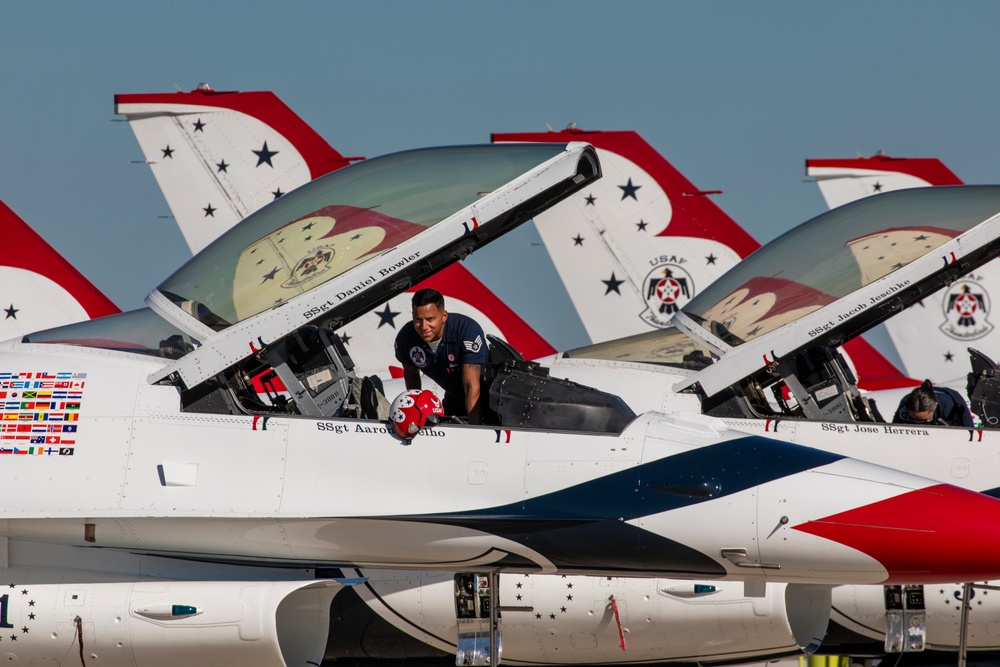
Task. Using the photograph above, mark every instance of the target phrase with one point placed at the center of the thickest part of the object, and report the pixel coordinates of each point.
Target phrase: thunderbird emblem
(966, 308)
(667, 288)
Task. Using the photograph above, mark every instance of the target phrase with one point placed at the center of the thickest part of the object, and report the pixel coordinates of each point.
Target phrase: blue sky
(736, 95)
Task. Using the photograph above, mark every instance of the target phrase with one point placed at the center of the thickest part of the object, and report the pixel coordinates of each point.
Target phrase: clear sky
(735, 94)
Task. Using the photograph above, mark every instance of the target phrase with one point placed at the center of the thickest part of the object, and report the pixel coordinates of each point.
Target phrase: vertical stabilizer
(638, 244)
(39, 289)
(843, 180)
(220, 155)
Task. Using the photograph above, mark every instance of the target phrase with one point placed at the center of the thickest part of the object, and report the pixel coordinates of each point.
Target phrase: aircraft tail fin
(930, 337)
(39, 289)
(220, 155)
(637, 245)
(843, 180)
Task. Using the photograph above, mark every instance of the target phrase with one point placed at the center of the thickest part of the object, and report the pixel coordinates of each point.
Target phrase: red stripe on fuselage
(941, 533)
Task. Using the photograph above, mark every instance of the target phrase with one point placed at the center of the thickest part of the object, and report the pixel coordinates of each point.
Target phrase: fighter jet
(155, 444)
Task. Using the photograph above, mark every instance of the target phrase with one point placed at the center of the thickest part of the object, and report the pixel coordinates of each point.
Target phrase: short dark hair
(426, 297)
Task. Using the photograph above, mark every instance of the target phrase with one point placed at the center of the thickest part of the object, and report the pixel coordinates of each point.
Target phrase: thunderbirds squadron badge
(667, 288)
(311, 266)
(966, 307)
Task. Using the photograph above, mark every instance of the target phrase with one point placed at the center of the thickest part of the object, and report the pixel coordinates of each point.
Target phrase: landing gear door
(905, 619)
(475, 612)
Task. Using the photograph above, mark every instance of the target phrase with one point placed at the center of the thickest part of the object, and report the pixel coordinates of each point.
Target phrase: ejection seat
(815, 384)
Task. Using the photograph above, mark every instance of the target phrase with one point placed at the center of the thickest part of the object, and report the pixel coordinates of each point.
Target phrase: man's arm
(957, 413)
(470, 382)
(962, 415)
(411, 376)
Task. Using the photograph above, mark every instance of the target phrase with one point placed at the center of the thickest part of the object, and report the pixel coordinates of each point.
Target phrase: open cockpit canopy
(337, 223)
(337, 247)
(839, 274)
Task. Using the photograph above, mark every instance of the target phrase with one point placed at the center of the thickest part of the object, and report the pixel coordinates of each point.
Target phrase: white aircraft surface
(201, 128)
(165, 393)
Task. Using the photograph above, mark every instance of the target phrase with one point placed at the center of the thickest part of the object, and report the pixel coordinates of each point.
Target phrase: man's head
(429, 314)
(921, 403)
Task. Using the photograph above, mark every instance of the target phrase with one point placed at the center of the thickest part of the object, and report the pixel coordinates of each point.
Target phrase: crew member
(449, 349)
(928, 404)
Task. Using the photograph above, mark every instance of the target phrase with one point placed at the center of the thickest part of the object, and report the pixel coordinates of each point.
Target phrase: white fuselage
(142, 474)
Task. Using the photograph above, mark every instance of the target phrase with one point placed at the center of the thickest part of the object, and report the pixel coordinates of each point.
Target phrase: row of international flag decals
(39, 412)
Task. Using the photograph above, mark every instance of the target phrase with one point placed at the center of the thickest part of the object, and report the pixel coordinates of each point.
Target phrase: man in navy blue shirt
(449, 349)
(928, 404)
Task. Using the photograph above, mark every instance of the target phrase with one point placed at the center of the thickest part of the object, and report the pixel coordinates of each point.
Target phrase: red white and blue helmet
(414, 409)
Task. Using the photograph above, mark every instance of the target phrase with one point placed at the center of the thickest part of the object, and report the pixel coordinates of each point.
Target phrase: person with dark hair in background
(449, 349)
(928, 404)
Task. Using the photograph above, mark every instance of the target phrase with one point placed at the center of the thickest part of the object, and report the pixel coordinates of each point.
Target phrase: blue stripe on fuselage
(583, 528)
(669, 483)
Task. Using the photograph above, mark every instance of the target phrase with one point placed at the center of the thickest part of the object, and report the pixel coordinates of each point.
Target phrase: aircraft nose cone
(937, 534)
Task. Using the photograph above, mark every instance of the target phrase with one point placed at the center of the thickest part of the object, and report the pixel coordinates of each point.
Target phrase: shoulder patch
(418, 357)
